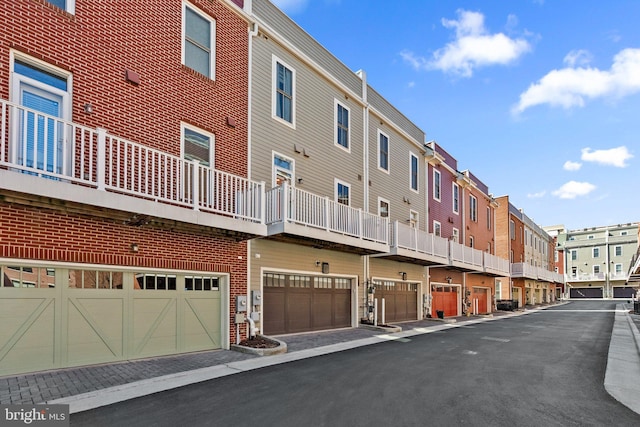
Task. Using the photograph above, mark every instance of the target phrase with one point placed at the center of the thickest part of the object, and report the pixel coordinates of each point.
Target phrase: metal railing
(465, 254)
(290, 204)
(410, 238)
(39, 144)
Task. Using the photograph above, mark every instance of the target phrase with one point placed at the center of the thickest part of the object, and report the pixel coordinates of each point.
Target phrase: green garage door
(59, 317)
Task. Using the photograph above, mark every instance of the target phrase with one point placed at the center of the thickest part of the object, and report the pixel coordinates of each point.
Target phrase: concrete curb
(622, 376)
(281, 348)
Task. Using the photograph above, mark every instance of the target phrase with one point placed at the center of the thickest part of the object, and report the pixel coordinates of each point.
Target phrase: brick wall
(97, 45)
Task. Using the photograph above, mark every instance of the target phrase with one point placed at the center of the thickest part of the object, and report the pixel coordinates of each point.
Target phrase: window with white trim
(414, 218)
(383, 151)
(342, 195)
(284, 87)
(618, 268)
(44, 90)
(436, 184)
(455, 190)
(197, 144)
(283, 169)
(383, 207)
(574, 255)
(512, 229)
(437, 228)
(66, 5)
(498, 289)
(473, 208)
(413, 168)
(596, 269)
(596, 252)
(455, 235)
(488, 218)
(618, 250)
(198, 41)
(342, 135)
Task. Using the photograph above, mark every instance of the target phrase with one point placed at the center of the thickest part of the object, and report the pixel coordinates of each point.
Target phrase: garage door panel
(400, 300)
(342, 301)
(202, 324)
(446, 301)
(299, 312)
(274, 311)
(28, 338)
(95, 330)
(322, 308)
(621, 292)
(155, 326)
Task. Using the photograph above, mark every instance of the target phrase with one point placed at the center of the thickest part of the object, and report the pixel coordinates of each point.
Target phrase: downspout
(253, 31)
(365, 163)
(464, 237)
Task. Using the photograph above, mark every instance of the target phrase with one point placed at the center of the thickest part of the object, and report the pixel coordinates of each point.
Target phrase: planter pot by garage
(281, 348)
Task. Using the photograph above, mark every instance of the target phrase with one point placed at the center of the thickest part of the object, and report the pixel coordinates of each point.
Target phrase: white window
(437, 228)
(284, 89)
(342, 135)
(197, 144)
(590, 237)
(618, 250)
(473, 208)
(596, 269)
(623, 233)
(436, 185)
(413, 168)
(383, 207)
(456, 197)
(342, 195)
(512, 230)
(574, 255)
(596, 252)
(283, 170)
(618, 268)
(383, 151)
(498, 289)
(413, 219)
(41, 142)
(198, 41)
(68, 5)
(455, 235)
(488, 218)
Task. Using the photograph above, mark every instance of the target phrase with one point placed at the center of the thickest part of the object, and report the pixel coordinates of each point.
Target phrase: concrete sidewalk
(90, 387)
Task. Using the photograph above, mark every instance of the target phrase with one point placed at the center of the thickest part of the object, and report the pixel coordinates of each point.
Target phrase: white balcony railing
(495, 263)
(39, 144)
(293, 205)
(410, 238)
(465, 254)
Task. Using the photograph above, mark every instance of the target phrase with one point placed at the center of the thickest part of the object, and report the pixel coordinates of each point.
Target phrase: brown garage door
(299, 303)
(401, 300)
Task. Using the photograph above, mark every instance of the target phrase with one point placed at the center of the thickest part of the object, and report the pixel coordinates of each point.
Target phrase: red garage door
(444, 298)
(480, 298)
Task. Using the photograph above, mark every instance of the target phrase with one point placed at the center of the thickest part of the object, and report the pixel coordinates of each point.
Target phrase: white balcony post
(327, 210)
(263, 202)
(285, 202)
(195, 185)
(396, 235)
(361, 228)
(101, 169)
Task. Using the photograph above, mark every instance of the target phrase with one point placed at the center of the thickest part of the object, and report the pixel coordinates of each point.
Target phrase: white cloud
(578, 57)
(472, 48)
(612, 157)
(569, 87)
(573, 189)
(291, 6)
(537, 195)
(411, 85)
(571, 166)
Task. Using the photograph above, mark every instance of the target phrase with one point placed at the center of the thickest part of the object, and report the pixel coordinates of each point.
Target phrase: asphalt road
(540, 369)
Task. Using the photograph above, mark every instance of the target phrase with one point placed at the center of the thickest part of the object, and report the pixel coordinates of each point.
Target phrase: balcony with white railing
(524, 270)
(496, 266)
(299, 216)
(46, 156)
(409, 244)
(465, 257)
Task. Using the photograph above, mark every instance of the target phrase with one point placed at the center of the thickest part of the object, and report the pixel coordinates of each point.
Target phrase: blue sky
(540, 99)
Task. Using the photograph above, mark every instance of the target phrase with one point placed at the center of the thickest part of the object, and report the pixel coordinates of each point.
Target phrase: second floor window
(199, 41)
(342, 193)
(383, 208)
(618, 250)
(437, 228)
(596, 252)
(456, 197)
(574, 255)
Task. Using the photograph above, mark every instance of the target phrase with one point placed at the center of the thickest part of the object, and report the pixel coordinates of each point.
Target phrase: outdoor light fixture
(134, 247)
(403, 274)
